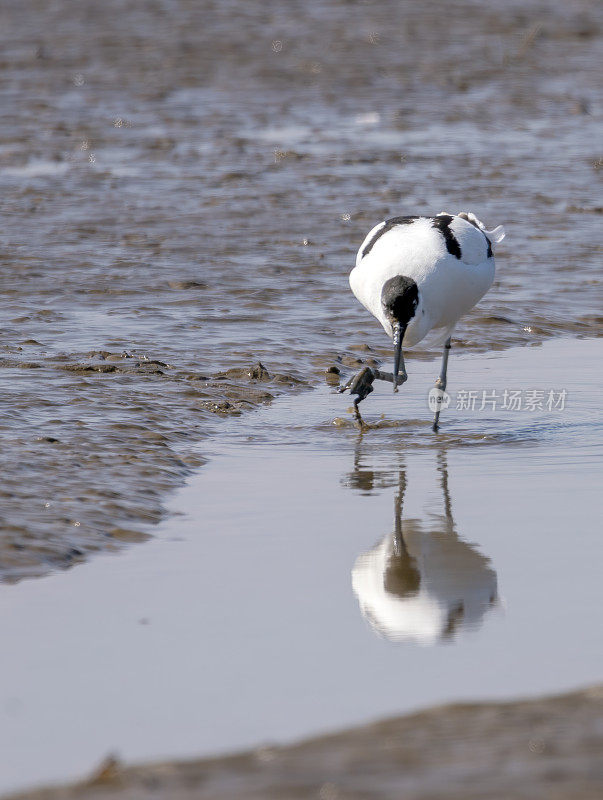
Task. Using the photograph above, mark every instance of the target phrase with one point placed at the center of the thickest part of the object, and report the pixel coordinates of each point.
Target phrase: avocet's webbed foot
(361, 384)
(361, 380)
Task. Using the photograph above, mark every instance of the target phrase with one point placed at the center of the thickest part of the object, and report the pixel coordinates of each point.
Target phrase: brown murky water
(183, 187)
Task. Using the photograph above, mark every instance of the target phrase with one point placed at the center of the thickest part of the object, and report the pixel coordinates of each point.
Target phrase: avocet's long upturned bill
(417, 275)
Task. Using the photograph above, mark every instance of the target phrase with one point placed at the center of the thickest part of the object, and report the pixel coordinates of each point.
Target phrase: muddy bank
(89, 465)
(188, 183)
(528, 749)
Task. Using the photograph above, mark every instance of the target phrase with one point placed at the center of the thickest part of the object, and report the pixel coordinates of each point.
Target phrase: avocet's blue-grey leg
(441, 381)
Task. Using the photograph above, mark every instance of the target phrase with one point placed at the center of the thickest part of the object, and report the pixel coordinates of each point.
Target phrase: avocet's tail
(496, 235)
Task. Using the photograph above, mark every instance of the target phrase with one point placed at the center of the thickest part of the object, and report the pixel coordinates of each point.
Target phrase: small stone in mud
(83, 368)
(155, 361)
(221, 407)
(259, 372)
(332, 376)
(348, 361)
(99, 354)
(107, 770)
(290, 380)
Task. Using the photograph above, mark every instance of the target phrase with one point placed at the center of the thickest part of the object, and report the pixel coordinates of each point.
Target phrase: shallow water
(317, 577)
(187, 183)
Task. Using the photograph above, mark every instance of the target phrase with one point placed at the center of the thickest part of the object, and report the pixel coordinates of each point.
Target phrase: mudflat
(520, 751)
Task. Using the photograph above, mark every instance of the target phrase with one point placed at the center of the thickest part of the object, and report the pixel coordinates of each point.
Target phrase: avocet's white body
(449, 257)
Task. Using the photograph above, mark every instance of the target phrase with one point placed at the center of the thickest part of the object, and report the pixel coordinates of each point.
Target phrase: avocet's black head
(399, 297)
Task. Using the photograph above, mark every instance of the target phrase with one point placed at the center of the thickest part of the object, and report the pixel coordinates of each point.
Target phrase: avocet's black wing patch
(389, 224)
(442, 223)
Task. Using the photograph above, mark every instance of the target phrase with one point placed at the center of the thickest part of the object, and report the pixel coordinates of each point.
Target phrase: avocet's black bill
(398, 336)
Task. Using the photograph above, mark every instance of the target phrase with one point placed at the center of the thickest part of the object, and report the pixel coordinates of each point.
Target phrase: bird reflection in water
(421, 583)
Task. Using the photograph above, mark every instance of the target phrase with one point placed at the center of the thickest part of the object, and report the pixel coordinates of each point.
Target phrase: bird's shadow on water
(421, 582)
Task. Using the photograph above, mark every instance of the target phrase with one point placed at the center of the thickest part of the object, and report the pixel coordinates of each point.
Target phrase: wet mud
(183, 187)
(88, 467)
(527, 749)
